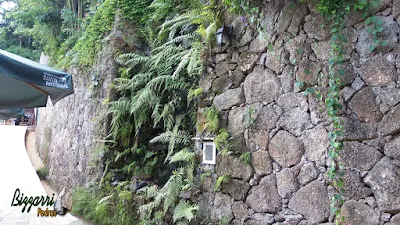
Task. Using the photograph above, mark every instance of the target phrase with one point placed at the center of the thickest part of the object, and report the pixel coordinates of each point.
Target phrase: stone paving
(16, 172)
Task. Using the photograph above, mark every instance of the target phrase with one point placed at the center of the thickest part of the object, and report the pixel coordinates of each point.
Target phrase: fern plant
(167, 197)
(246, 158)
(184, 212)
(156, 93)
(220, 181)
(221, 142)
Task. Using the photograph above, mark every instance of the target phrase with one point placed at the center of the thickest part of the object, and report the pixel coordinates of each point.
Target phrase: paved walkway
(16, 171)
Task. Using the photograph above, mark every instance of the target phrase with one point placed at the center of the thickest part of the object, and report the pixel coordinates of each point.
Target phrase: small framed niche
(209, 153)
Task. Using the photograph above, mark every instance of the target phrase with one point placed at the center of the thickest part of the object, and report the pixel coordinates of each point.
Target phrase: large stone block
(286, 149)
(205, 201)
(359, 156)
(221, 68)
(287, 182)
(390, 123)
(396, 8)
(274, 59)
(260, 219)
(323, 48)
(257, 139)
(234, 167)
(240, 210)
(222, 207)
(268, 117)
(236, 188)
(359, 213)
(354, 188)
(308, 173)
(392, 148)
(314, 29)
(312, 201)
(355, 130)
(291, 17)
(231, 97)
(316, 144)
(384, 180)
(259, 44)
(293, 100)
(247, 61)
(262, 162)
(271, 10)
(287, 79)
(364, 106)
(261, 86)
(236, 121)
(221, 84)
(389, 35)
(298, 48)
(295, 121)
(390, 95)
(308, 72)
(264, 198)
(378, 71)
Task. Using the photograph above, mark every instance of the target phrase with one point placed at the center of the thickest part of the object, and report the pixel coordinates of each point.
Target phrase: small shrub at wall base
(42, 173)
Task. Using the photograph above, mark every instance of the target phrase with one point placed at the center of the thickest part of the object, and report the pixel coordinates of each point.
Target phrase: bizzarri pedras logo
(28, 201)
(55, 81)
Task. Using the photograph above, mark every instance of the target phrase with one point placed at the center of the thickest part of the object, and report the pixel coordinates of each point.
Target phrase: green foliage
(185, 211)
(250, 119)
(335, 11)
(212, 120)
(223, 221)
(24, 52)
(246, 9)
(88, 45)
(374, 28)
(194, 93)
(104, 207)
(246, 157)
(221, 142)
(173, 138)
(167, 197)
(135, 10)
(205, 175)
(42, 173)
(220, 181)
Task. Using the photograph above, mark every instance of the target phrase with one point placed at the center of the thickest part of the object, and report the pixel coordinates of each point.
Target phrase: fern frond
(181, 137)
(182, 156)
(184, 61)
(172, 190)
(185, 210)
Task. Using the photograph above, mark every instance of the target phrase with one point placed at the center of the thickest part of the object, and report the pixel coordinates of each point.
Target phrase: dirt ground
(35, 159)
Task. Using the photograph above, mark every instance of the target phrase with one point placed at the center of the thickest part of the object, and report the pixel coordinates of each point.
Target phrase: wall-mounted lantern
(223, 35)
(208, 149)
(95, 79)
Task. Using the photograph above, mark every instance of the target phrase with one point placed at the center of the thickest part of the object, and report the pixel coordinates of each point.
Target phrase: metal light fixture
(223, 35)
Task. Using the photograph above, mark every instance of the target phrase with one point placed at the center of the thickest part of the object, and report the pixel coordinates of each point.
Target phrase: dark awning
(27, 84)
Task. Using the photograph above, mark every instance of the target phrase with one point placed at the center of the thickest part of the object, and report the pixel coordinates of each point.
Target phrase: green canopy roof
(27, 84)
(6, 114)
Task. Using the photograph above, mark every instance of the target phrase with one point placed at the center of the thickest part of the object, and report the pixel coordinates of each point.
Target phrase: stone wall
(69, 132)
(286, 182)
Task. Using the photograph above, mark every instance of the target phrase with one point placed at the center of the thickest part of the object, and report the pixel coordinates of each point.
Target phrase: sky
(6, 5)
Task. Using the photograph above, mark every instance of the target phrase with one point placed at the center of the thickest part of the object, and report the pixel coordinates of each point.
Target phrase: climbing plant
(335, 11)
(250, 13)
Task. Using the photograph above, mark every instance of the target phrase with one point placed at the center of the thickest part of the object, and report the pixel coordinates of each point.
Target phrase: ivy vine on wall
(335, 12)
